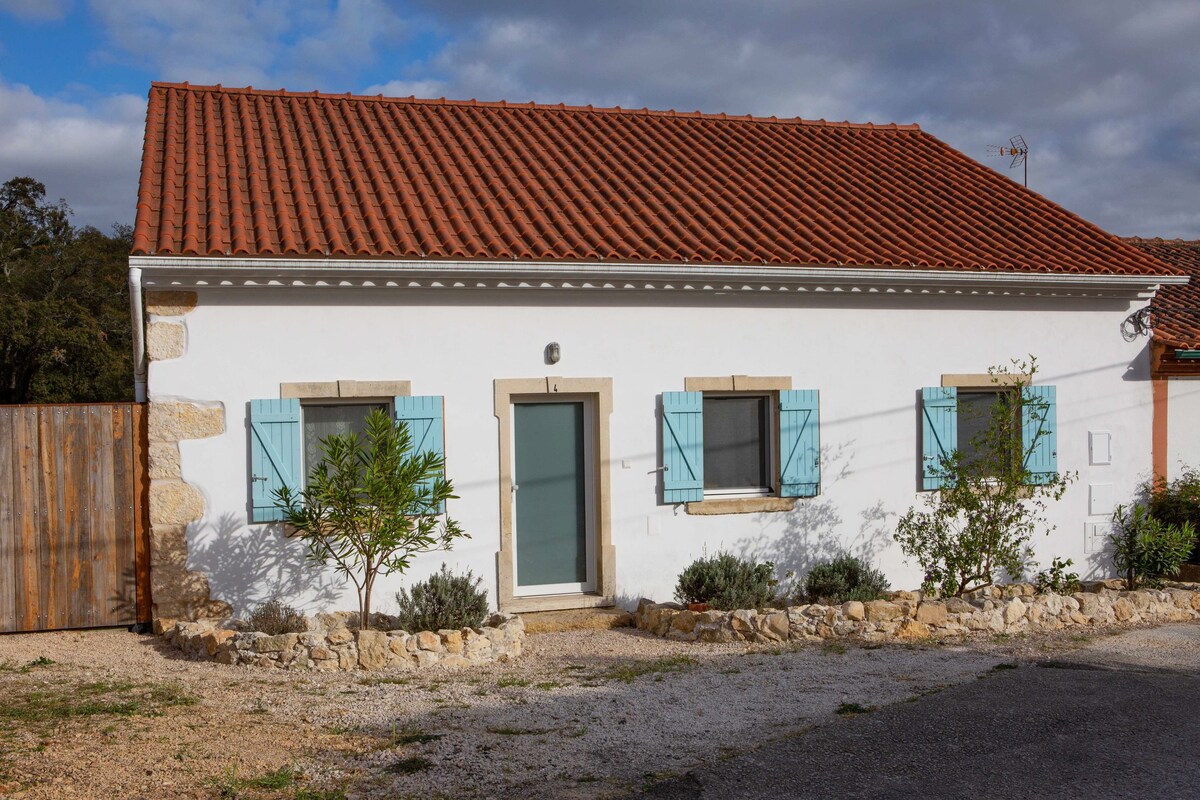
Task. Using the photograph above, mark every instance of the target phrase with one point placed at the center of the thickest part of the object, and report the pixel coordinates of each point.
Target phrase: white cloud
(293, 44)
(87, 155)
(36, 10)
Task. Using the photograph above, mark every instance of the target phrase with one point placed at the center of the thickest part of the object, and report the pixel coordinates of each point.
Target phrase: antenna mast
(1017, 149)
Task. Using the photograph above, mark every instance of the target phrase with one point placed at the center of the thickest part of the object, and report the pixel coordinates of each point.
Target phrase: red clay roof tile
(1175, 310)
(243, 172)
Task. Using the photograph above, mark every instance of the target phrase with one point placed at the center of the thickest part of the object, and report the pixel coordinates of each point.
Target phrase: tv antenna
(1017, 150)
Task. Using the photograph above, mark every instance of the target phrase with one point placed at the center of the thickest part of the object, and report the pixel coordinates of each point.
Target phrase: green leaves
(1146, 550)
(982, 521)
(367, 507)
(64, 303)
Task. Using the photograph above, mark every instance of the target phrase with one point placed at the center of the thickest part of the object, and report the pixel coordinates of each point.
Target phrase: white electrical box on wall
(1095, 536)
(1099, 447)
(1100, 499)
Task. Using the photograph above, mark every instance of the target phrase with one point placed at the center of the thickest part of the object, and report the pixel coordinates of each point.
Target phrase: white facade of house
(1183, 425)
(868, 352)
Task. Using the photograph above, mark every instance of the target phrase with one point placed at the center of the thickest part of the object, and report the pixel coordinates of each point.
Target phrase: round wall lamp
(553, 353)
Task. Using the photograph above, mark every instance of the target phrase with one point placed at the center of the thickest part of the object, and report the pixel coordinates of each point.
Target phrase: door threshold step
(576, 619)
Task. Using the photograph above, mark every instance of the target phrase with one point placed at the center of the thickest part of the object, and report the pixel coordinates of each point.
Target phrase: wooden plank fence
(74, 533)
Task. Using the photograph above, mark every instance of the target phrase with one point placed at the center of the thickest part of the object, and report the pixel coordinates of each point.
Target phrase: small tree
(371, 505)
(990, 505)
(1146, 550)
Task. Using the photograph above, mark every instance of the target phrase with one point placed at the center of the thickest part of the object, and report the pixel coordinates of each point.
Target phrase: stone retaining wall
(336, 647)
(909, 616)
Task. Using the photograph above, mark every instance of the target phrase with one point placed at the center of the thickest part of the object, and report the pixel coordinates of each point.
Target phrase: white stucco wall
(1183, 425)
(868, 354)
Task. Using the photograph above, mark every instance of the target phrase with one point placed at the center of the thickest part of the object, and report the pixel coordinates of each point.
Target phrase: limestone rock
(276, 644)
(776, 625)
(165, 340)
(1013, 610)
(176, 421)
(372, 649)
(452, 641)
(912, 630)
(1123, 610)
(428, 641)
(169, 303)
(882, 611)
(854, 611)
(931, 612)
(340, 636)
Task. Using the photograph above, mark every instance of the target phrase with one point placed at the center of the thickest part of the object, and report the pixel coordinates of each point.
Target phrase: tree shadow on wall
(814, 531)
(246, 567)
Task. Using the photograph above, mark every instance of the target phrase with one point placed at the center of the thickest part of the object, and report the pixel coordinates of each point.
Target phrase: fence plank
(102, 524)
(140, 449)
(124, 459)
(27, 490)
(8, 529)
(76, 513)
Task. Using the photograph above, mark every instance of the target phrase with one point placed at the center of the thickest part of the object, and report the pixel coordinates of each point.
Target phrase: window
(285, 432)
(976, 408)
(739, 445)
(953, 415)
(320, 421)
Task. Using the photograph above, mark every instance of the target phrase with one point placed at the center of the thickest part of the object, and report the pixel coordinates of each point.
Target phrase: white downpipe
(139, 334)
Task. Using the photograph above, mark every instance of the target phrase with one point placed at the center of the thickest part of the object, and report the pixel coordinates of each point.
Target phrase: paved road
(1119, 719)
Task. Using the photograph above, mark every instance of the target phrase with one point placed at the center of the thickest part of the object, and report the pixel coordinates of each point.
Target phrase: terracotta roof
(244, 172)
(1175, 310)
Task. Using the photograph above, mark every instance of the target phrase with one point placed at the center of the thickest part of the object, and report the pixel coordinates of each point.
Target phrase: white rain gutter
(139, 333)
(280, 272)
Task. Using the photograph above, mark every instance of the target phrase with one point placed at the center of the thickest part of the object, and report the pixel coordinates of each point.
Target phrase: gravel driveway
(581, 714)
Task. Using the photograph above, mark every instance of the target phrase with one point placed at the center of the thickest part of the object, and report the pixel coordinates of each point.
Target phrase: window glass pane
(975, 411)
(321, 422)
(735, 443)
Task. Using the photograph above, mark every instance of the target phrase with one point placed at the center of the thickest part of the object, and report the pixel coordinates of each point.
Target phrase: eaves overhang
(180, 272)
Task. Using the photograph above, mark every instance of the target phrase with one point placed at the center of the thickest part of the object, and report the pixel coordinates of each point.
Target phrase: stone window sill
(742, 505)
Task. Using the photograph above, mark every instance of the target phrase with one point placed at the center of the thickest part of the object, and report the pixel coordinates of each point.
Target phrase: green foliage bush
(445, 601)
(274, 618)
(1055, 578)
(727, 582)
(842, 579)
(980, 523)
(1145, 550)
(1177, 502)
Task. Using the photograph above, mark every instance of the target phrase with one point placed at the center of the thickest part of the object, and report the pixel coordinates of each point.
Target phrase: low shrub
(274, 618)
(727, 582)
(1177, 502)
(1145, 550)
(445, 601)
(844, 578)
(1055, 578)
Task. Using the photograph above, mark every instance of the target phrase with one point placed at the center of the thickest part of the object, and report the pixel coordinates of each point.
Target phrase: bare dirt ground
(585, 714)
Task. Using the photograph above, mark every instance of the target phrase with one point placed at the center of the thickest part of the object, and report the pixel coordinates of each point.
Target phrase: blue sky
(1106, 92)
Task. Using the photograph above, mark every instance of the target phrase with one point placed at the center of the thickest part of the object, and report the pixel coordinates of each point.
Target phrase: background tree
(64, 303)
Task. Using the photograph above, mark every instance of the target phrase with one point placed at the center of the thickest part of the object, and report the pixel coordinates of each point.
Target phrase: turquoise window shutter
(1039, 432)
(275, 447)
(423, 416)
(683, 447)
(799, 443)
(939, 432)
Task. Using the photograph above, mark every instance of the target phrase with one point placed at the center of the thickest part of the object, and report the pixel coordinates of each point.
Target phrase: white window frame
(772, 465)
(325, 402)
